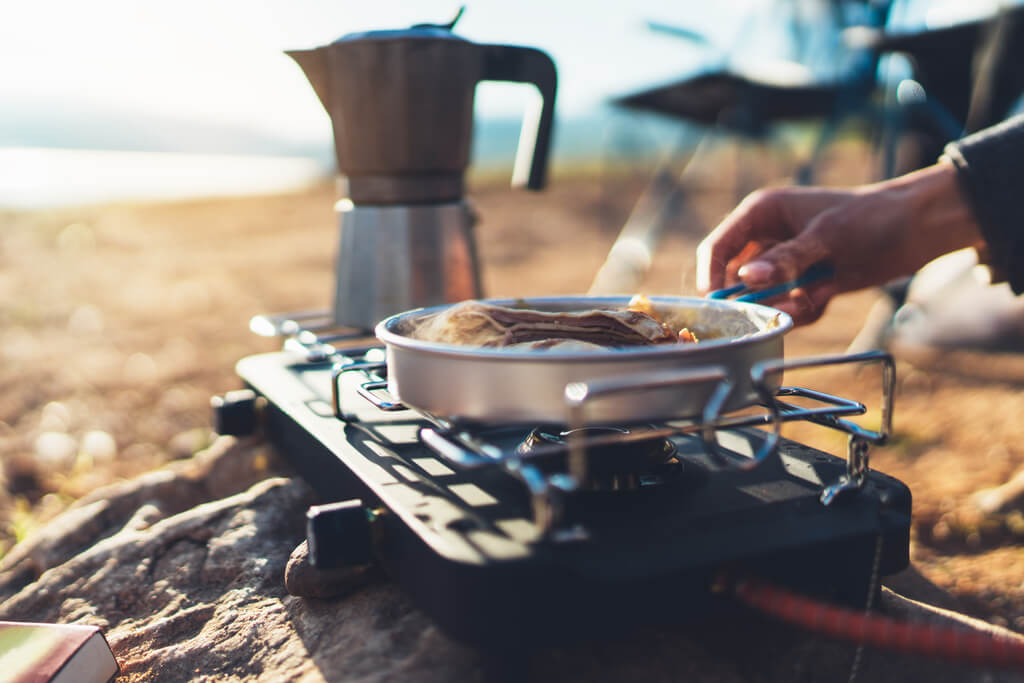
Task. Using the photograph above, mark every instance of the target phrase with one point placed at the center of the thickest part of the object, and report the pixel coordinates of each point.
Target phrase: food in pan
(476, 323)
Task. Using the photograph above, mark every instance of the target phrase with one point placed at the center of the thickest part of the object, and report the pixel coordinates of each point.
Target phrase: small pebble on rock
(55, 449)
(55, 417)
(188, 443)
(99, 446)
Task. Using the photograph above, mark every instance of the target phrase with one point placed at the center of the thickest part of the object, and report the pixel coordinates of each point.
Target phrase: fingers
(736, 263)
(757, 218)
(787, 260)
(792, 228)
(806, 304)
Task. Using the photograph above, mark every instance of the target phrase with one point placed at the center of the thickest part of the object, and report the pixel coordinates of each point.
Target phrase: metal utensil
(517, 386)
(819, 271)
(401, 107)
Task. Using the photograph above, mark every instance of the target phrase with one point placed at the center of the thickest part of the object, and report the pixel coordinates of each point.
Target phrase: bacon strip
(608, 328)
(479, 324)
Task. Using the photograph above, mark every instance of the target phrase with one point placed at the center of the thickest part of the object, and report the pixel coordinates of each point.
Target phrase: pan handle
(579, 394)
(860, 438)
(760, 374)
(365, 390)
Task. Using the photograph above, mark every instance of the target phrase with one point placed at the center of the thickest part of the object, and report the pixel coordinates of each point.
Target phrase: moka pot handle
(527, 65)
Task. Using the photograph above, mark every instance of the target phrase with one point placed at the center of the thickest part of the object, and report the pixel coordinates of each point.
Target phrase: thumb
(784, 261)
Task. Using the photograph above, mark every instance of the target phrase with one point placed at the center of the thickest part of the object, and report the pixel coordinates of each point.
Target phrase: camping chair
(737, 104)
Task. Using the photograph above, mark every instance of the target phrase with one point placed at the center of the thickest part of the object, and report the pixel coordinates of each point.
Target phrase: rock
(304, 580)
(186, 444)
(196, 590)
(202, 581)
(227, 467)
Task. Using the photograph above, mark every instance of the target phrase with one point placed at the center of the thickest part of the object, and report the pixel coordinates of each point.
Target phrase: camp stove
(536, 534)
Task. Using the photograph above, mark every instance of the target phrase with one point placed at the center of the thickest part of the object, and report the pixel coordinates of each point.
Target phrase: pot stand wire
(463, 446)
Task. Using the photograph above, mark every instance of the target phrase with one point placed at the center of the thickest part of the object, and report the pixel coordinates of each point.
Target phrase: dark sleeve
(991, 170)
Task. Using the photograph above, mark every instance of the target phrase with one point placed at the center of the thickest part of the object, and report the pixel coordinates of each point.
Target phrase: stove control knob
(234, 413)
(338, 534)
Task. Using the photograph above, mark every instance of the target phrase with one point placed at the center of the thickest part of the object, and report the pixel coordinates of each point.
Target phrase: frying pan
(515, 386)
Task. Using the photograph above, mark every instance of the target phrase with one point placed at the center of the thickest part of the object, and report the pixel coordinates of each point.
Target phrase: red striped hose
(932, 640)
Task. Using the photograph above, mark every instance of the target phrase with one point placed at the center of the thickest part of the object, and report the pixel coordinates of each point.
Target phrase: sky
(222, 61)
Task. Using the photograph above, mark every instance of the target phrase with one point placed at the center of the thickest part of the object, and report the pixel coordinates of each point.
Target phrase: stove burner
(624, 465)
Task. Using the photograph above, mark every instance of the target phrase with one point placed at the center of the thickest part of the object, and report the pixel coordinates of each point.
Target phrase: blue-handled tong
(819, 271)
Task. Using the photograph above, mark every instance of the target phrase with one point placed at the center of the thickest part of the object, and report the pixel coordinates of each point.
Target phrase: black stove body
(500, 547)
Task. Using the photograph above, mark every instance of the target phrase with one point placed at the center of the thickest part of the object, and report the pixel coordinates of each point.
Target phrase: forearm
(875, 233)
(939, 217)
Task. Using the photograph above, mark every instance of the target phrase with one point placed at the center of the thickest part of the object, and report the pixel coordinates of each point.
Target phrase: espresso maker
(401, 105)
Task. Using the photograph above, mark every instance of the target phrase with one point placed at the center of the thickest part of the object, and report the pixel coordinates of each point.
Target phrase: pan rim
(757, 312)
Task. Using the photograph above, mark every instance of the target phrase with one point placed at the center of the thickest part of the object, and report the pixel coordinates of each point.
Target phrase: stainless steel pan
(515, 386)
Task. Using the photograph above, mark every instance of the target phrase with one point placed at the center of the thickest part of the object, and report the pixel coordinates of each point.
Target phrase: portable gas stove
(538, 534)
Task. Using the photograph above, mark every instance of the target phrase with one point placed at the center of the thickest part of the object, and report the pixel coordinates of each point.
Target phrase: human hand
(869, 235)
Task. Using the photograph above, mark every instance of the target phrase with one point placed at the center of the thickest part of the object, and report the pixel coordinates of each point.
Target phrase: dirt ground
(118, 322)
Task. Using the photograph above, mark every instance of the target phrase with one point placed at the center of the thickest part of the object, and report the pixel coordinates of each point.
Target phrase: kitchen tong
(819, 271)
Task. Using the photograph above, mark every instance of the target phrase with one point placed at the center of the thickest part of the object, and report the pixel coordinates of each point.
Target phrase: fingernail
(756, 272)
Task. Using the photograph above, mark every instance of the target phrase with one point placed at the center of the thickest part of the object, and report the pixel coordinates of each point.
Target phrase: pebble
(55, 417)
(99, 446)
(304, 580)
(55, 449)
(188, 443)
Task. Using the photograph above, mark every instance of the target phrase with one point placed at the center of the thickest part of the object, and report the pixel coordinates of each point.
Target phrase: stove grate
(467, 445)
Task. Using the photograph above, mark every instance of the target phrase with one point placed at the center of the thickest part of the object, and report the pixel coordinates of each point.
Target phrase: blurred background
(116, 99)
